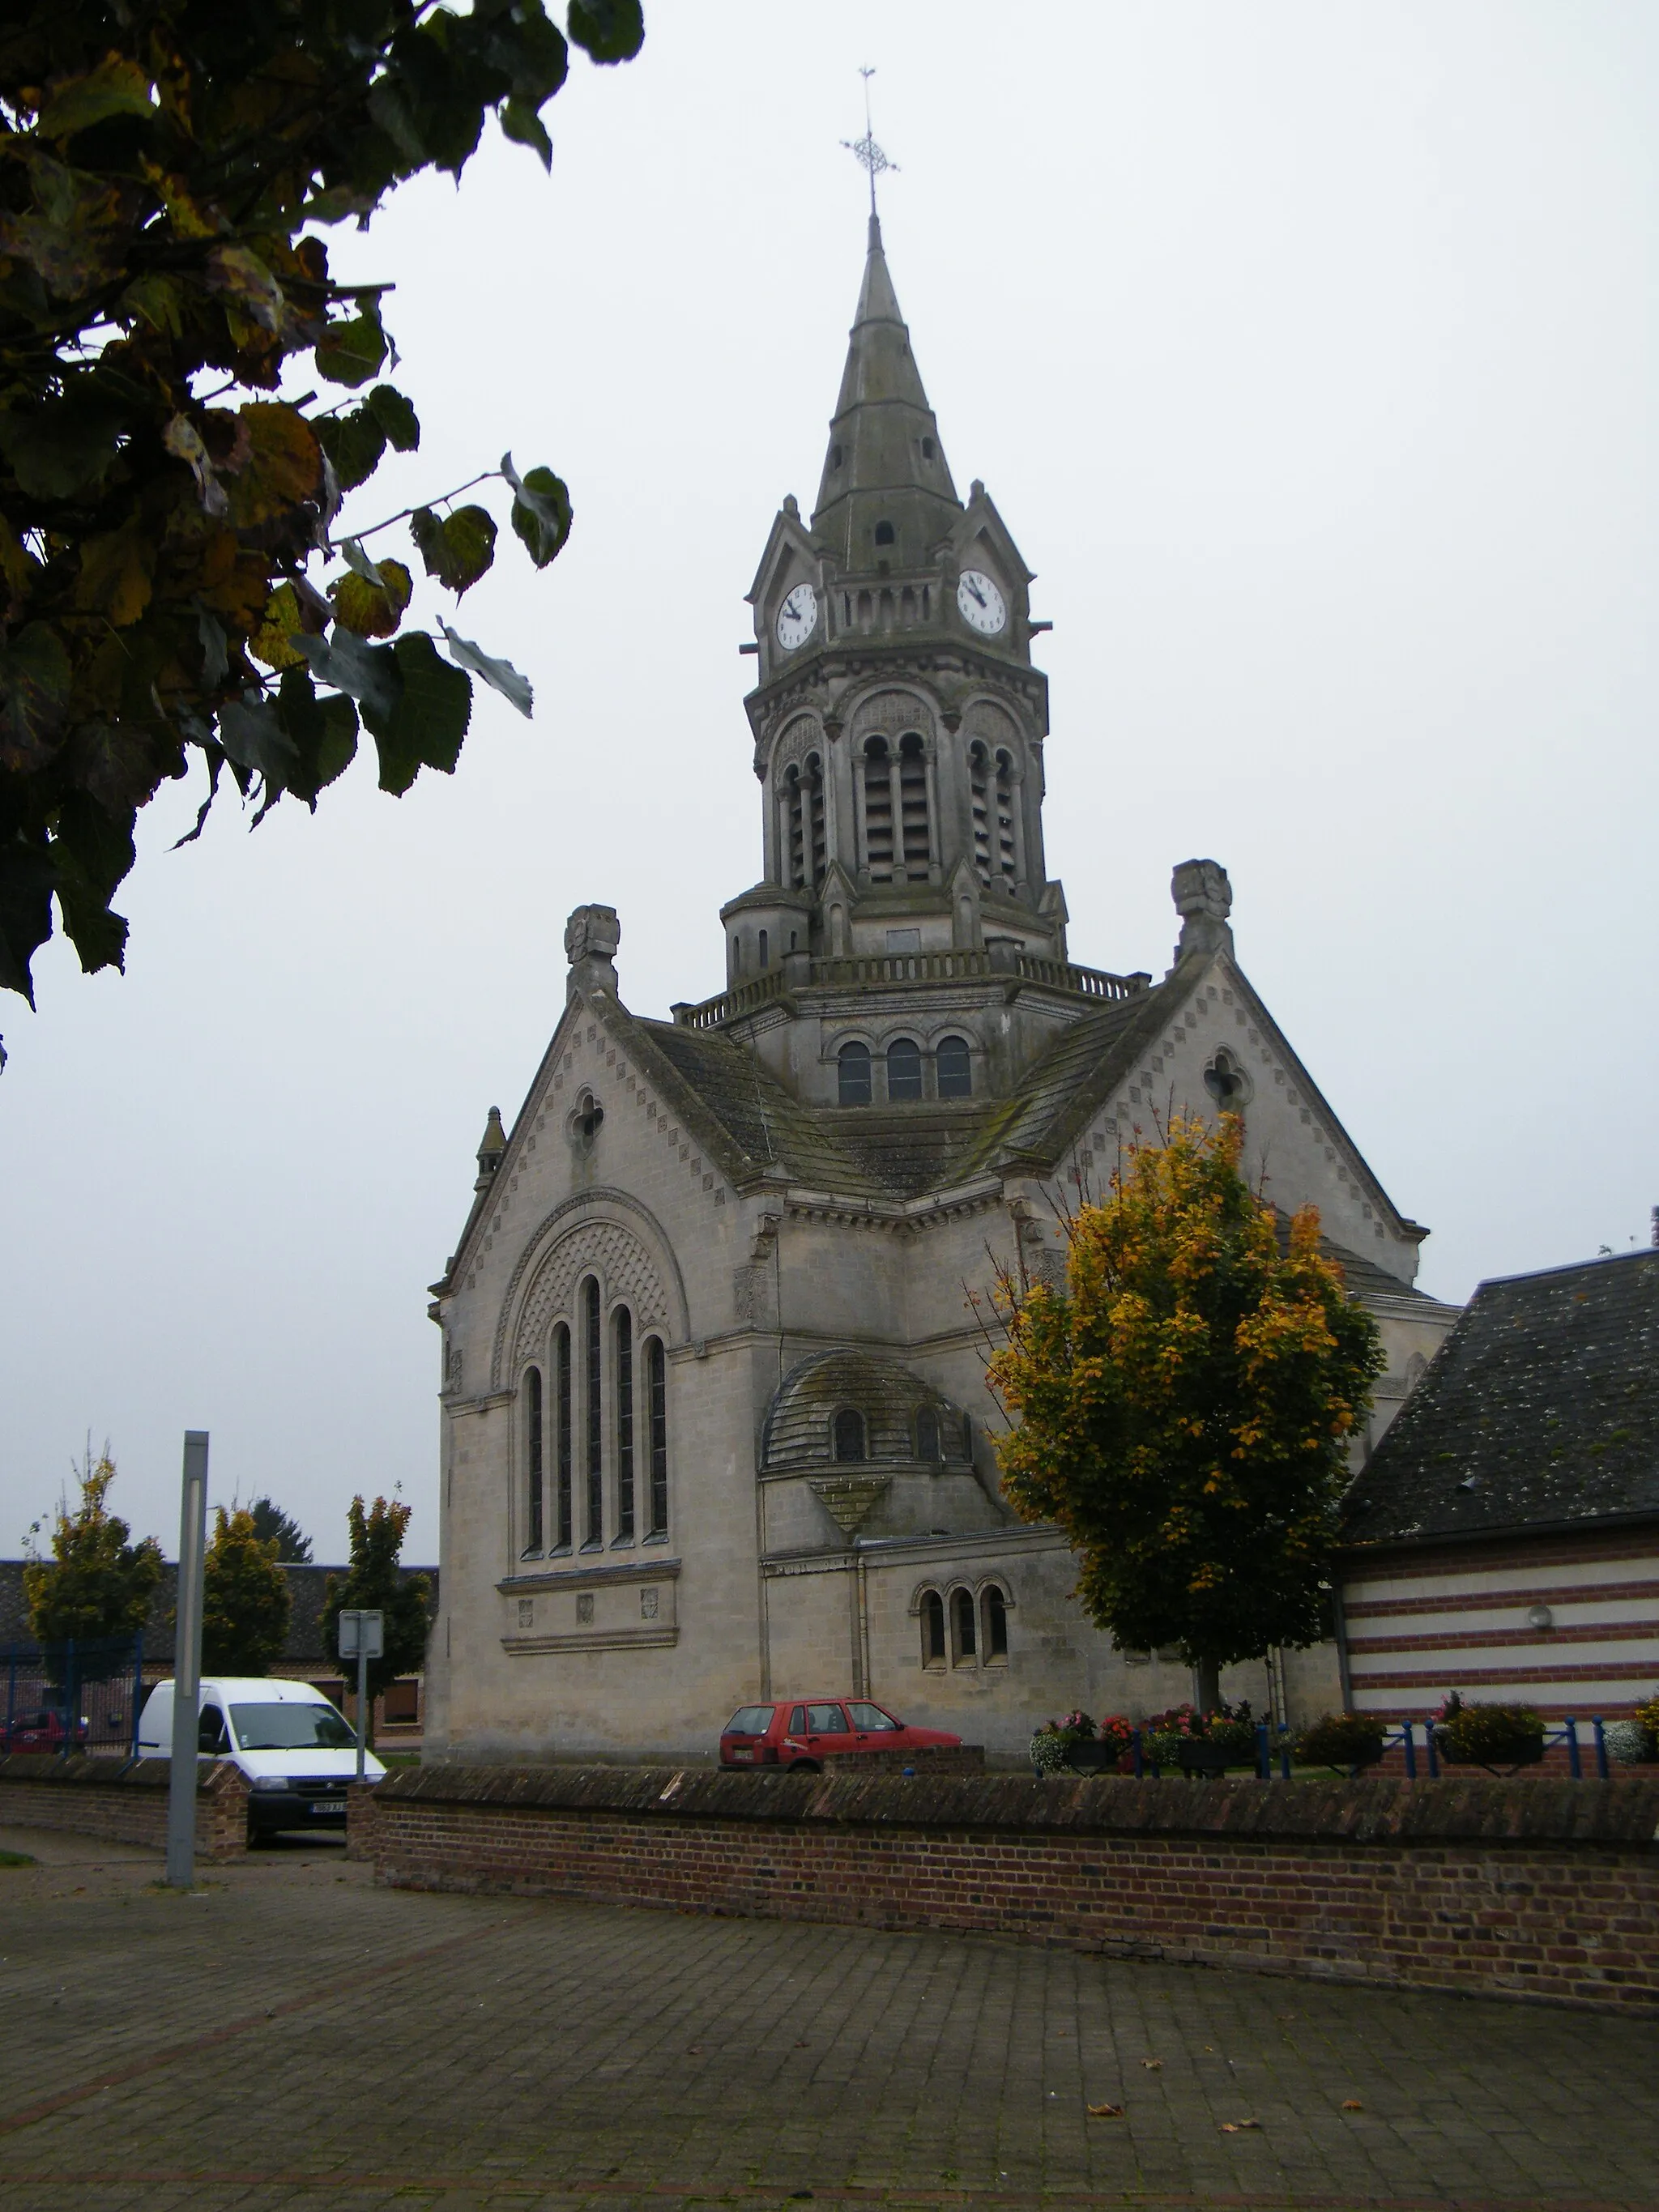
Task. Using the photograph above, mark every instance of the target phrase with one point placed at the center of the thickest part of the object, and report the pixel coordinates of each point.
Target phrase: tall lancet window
(593, 1361)
(878, 811)
(533, 1427)
(813, 794)
(656, 1386)
(913, 796)
(562, 1436)
(1005, 856)
(623, 1325)
(979, 784)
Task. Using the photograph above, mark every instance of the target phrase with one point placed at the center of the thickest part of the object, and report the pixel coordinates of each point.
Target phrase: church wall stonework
(747, 1204)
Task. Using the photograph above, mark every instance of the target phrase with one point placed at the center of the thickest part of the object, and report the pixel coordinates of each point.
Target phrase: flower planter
(1199, 1756)
(1503, 1756)
(1093, 1758)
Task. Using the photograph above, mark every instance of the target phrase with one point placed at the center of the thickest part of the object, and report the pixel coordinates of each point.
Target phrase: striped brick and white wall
(1424, 1620)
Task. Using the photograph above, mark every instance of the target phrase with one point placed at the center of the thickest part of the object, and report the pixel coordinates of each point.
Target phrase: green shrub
(1488, 1735)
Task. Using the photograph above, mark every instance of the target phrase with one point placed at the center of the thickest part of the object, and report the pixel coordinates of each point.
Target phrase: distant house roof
(1540, 1410)
(304, 1647)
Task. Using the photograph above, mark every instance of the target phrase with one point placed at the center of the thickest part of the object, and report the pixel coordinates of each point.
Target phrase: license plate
(743, 1754)
(330, 1806)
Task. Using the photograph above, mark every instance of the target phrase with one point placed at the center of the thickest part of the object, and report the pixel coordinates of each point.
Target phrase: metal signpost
(362, 1638)
(187, 1664)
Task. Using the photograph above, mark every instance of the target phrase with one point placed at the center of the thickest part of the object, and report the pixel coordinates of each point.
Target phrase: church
(714, 1418)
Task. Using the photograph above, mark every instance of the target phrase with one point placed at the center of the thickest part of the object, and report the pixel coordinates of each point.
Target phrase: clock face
(797, 618)
(980, 603)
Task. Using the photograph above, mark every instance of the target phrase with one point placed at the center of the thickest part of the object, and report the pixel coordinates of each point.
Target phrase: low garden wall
(122, 1801)
(1525, 1888)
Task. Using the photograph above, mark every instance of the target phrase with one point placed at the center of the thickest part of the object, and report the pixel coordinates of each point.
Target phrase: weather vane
(864, 150)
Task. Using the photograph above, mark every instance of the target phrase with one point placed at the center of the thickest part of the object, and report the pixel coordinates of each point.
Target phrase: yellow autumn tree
(1184, 1406)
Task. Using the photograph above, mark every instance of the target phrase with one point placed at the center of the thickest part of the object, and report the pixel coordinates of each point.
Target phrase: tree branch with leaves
(168, 171)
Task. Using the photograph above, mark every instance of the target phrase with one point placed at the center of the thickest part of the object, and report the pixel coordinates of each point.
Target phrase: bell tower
(898, 721)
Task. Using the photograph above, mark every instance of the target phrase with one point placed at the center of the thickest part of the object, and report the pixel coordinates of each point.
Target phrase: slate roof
(304, 1646)
(1540, 1410)
(752, 1122)
(889, 1396)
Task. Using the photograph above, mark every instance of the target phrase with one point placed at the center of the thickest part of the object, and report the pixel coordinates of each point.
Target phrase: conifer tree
(245, 1600)
(269, 1521)
(1185, 1405)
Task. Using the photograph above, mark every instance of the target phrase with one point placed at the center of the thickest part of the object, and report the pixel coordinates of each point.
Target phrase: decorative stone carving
(1204, 899)
(848, 1499)
(603, 1248)
(591, 937)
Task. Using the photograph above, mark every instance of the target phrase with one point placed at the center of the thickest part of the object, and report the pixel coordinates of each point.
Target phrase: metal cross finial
(864, 150)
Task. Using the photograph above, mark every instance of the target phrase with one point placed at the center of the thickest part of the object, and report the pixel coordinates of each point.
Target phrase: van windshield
(291, 1727)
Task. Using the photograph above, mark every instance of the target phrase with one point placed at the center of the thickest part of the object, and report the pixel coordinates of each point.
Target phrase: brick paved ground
(293, 2038)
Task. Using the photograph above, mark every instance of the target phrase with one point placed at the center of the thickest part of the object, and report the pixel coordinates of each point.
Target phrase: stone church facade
(714, 1418)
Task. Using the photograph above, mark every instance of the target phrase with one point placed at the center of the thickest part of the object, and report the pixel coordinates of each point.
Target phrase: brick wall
(123, 1802)
(1527, 1888)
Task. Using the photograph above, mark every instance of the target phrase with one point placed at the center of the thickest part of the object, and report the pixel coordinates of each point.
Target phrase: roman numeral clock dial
(980, 603)
(797, 618)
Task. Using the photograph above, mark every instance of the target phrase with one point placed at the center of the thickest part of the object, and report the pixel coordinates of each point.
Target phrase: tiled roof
(1541, 1408)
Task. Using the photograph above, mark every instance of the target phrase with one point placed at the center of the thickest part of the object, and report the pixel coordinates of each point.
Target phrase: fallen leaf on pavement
(1236, 2127)
(1352, 2104)
(1151, 2064)
(1105, 2111)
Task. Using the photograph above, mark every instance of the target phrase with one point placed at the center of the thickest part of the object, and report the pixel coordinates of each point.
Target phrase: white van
(296, 1750)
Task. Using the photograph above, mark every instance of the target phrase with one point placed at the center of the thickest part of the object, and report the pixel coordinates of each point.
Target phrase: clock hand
(975, 591)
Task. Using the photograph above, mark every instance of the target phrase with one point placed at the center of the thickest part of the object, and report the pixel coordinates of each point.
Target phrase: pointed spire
(886, 463)
(491, 1148)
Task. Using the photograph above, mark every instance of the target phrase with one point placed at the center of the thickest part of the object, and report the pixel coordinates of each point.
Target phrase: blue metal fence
(84, 1694)
(1273, 1749)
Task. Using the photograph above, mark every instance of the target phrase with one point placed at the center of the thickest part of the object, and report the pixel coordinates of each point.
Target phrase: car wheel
(804, 1766)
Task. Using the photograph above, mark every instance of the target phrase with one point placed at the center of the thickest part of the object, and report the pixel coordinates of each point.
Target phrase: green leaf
(351, 353)
(521, 122)
(158, 300)
(92, 851)
(500, 674)
(251, 731)
(430, 719)
(116, 87)
(35, 688)
(607, 30)
(541, 511)
(62, 449)
(323, 731)
(354, 444)
(457, 548)
(368, 672)
(395, 416)
(27, 880)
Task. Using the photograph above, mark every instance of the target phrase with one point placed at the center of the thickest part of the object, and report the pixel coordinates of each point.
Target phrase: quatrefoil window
(586, 1120)
(1227, 1083)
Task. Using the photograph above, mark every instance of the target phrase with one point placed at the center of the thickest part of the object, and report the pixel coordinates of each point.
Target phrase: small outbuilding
(1503, 1540)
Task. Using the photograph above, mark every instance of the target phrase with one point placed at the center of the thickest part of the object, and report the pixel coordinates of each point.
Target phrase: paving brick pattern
(294, 2038)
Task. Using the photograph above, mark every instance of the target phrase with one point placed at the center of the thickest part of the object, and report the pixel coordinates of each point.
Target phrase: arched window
(932, 1629)
(765, 951)
(927, 1434)
(955, 1068)
(656, 1384)
(877, 809)
(593, 1362)
(848, 1434)
(903, 1069)
(622, 1327)
(883, 533)
(533, 1427)
(962, 1621)
(852, 1074)
(979, 788)
(1004, 857)
(915, 844)
(561, 1431)
(994, 1620)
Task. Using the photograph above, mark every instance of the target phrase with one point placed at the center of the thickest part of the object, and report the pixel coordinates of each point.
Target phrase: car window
(871, 1717)
(210, 1730)
(798, 1721)
(825, 1720)
(749, 1720)
(291, 1727)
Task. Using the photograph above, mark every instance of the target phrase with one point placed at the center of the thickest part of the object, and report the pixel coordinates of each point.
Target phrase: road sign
(362, 1634)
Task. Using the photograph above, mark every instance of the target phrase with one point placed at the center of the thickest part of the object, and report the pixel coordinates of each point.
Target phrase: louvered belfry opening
(877, 809)
(979, 786)
(916, 838)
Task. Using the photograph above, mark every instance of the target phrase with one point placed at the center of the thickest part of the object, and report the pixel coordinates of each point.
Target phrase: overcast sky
(1309, 350)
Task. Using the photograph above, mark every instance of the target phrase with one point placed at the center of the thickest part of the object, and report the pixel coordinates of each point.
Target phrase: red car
(42, 1730)
(799, 1731)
